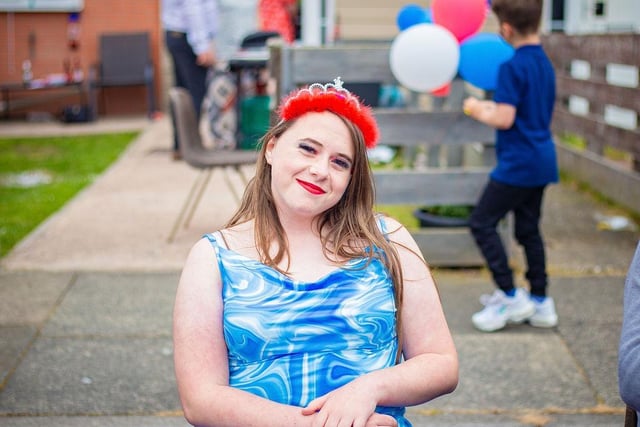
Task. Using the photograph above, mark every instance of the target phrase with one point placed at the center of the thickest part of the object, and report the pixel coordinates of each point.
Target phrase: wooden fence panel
(594, 84)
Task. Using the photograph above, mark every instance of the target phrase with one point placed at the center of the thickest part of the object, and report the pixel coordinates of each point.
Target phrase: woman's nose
(319, 168)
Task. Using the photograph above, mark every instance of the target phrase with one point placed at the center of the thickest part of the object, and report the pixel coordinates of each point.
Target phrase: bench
(447, 155)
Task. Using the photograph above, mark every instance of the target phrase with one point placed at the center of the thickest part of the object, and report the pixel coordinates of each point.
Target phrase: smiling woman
(39, 175)
(306, 277)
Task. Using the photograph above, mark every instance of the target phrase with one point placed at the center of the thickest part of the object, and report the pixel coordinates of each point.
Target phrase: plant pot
(428, 219)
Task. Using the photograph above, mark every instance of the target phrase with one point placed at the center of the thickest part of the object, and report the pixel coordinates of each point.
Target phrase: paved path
(86, 301)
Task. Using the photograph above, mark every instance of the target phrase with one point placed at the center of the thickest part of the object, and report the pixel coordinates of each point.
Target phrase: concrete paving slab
(516, 371)
(591, 313)
(85, 376)
(573, 241)
(29, 297)
(116, 304)
(95, 421)
(111, 124)
(583, 346)
(515, 420)
(14, 342)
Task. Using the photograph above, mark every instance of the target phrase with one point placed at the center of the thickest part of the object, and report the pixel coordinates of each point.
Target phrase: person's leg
(496, 201)
(188, 74)
(506, 304)
(175, 44)
(528, 235)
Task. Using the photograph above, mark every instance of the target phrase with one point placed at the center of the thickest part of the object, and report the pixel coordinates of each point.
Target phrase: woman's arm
(200, 355)
(430, 368)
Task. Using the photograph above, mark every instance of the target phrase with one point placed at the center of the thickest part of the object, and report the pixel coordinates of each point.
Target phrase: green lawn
(39, 175)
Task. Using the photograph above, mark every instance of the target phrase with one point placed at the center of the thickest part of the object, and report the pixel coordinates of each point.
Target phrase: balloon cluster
(436, 44)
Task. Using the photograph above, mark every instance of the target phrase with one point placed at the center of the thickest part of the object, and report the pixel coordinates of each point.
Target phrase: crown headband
(336, 99)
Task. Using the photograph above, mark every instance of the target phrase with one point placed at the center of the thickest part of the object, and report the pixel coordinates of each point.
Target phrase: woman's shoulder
(389, 225)
(396, 232)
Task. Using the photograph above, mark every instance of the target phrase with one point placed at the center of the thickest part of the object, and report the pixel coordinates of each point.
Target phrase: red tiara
(332, 97)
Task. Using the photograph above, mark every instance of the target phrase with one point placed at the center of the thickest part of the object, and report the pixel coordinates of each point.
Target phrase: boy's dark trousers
(496, 201)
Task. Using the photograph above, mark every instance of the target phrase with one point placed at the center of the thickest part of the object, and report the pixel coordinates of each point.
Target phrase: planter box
(454, 246)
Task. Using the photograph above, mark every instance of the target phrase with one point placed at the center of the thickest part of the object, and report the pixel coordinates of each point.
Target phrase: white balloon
(424, 57)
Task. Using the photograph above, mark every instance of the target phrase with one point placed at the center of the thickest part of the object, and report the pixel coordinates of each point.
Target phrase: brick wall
(42, 37)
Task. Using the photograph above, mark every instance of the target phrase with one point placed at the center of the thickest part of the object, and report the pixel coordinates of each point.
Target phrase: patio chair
(124, 60)
(199, 156)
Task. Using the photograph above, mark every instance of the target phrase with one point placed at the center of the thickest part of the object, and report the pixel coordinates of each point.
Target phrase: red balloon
(462, 17)
(443, 91)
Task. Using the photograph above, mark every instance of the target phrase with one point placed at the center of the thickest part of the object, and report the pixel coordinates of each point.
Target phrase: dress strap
(217, 238)
(382, 224)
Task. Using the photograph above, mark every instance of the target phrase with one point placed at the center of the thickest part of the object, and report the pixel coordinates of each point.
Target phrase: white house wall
(619, 16)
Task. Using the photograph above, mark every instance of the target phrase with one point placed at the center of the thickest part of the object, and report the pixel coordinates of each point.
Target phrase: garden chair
(196, 154)
(124, 60)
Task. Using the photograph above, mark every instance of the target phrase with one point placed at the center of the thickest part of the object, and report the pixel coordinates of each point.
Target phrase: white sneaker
(545, 315)
(500, 309)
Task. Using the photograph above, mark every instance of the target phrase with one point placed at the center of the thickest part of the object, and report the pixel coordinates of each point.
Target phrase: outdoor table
(37, 92)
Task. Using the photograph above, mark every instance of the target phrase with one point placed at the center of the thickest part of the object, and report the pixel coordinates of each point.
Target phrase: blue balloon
(481, 56)
(429, 15)
(410, 15)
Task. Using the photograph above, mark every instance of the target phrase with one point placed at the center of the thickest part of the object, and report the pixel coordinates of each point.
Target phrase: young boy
(521, 112)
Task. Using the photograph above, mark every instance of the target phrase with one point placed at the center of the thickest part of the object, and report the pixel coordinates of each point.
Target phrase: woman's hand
(352, 405)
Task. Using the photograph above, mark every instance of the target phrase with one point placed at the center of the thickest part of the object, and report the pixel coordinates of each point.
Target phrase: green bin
(254, 122)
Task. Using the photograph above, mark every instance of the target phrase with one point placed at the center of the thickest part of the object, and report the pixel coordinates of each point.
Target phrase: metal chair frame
(198, 156)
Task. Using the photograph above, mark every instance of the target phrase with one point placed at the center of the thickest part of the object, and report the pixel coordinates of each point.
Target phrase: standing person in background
(629, 348)
(521, 111)
(308, 308)
(280, 16)
(190, 27)
(237, 19)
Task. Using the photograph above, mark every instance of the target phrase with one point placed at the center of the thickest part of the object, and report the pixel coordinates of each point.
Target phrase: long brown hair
(346, 230)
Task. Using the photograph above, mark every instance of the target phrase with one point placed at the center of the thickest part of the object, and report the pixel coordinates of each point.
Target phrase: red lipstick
(311, 188)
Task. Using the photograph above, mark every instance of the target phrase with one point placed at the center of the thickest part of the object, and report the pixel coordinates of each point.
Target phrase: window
(41, 5)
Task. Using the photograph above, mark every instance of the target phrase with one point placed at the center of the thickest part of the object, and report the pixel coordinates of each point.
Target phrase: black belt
(176, 34)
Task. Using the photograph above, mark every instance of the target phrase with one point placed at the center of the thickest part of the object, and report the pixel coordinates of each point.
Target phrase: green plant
(573, 140)
(451, 211)
(402, 213)
(39, 175)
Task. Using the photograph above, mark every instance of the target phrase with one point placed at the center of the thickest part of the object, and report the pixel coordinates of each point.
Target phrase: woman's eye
(342, 163)
(307, 148)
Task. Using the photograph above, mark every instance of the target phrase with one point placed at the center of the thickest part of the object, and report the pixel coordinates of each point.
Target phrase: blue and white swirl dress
(292, 341)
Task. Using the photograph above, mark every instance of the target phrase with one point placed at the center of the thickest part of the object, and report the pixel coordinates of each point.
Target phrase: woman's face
(311, 164)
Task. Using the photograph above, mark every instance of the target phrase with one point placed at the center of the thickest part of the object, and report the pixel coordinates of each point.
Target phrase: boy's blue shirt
(526, 155)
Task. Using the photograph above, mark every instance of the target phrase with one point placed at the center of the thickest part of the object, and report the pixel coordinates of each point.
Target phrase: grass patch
(401, 213)
(39, 175)
(611, 153)
(574, 141)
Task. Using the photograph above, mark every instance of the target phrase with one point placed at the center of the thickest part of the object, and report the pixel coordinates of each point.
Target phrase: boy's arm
(496, 115)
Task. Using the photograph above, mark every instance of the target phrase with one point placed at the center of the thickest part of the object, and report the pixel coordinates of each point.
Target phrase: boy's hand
(499, 116)
(470, 105)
